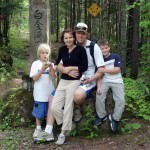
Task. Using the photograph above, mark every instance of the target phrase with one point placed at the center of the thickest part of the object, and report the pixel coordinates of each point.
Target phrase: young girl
(42, 73)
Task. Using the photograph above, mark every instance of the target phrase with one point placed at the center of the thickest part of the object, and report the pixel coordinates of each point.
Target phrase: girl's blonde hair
(43, 47)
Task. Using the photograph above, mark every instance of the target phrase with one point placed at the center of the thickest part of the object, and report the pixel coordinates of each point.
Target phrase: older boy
(112, 79)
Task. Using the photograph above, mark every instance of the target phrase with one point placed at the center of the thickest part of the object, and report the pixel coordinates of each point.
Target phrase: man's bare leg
(79, 98)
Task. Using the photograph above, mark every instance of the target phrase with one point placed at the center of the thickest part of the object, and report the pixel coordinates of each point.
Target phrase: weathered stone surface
(39, 23)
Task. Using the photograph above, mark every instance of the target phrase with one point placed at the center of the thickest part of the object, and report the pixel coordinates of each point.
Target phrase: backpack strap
(91, 46)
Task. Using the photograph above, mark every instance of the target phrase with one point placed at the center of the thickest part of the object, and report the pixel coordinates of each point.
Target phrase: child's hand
(44, 66)
(98, 91)
(51, 66)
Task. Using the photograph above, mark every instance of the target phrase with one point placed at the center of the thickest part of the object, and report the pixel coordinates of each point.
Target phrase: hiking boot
(36, 133)
(44, 136)
(77, 116)
(113, 123)
(61, 140)
(98, 121)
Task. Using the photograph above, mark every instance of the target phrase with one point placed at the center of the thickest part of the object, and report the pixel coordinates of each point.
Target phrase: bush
(137, 98)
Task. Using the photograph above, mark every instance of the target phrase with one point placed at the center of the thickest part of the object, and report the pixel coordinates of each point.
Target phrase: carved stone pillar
(39, 24)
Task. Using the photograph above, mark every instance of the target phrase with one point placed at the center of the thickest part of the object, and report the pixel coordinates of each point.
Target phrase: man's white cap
(81, 27)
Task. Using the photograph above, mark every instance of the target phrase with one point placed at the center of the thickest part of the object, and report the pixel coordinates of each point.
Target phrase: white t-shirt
(110, 63)
(44, 85)
(99, 61)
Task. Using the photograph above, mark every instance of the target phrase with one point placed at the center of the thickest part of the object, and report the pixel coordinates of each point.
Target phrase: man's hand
(87, 80)
(73, 73)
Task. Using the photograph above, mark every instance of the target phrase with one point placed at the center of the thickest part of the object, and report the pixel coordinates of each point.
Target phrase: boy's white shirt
(113, 78)
(44, 85)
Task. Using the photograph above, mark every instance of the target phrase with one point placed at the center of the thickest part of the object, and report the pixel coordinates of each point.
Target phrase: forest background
(124, 23)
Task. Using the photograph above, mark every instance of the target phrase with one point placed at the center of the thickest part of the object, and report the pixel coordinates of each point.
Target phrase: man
(90, 76)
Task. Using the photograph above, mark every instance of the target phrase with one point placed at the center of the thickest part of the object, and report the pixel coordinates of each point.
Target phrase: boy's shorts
(40, 109)
(88, 88)
(53, 93)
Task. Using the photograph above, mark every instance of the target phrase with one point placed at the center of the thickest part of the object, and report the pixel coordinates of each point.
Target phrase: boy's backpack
(91, 46)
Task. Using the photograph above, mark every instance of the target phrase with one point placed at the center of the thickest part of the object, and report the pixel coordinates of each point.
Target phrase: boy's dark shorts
(40, 109)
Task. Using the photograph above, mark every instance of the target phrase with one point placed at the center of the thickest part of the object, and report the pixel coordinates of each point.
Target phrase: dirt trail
(21, 139)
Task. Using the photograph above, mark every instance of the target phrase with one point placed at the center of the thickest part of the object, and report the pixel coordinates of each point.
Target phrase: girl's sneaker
(61, 140)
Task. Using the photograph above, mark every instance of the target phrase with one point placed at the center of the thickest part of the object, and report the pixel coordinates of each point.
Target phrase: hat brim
(81, 30)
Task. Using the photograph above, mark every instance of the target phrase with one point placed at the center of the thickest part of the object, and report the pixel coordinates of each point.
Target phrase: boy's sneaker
(44, 136)
(61, 140)
(98, 121)
(36, 133)
(113, 123)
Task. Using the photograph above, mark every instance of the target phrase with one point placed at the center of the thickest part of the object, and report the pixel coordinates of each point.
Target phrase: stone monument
(39, 24)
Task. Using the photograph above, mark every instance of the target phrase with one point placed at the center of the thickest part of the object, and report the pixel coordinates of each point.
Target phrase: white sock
(38, 127)
(49, 129)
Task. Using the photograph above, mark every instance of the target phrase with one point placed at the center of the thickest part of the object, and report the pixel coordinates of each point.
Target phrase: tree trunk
(71, 19)
(74, 14)
(1, 35)
(85, 11)
(78, 11)
(122, 38)
(133, 39)
(57, 23)
(135, 43)
(53, 17)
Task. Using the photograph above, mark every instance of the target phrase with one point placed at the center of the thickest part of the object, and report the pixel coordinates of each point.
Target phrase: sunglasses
(81, 28)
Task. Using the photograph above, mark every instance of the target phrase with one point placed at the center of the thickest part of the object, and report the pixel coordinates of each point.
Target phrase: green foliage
(7, 121)
(137, 98)
(19, 63)
(144, 50)
(130, 127)
(133, 5)
(87, 128)
(8, 144)
(12, 7)
(6, 74)
(10, 112)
